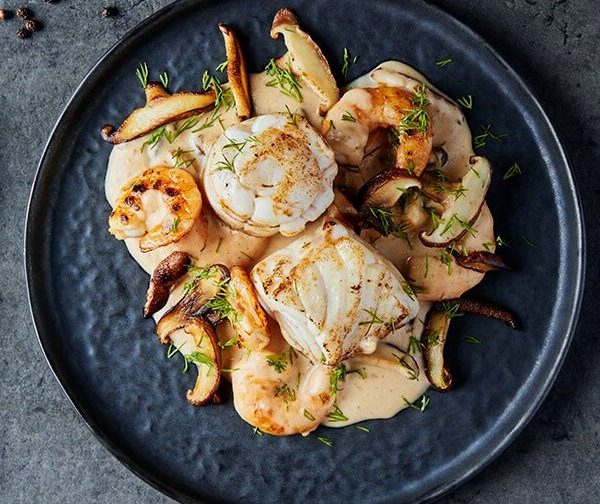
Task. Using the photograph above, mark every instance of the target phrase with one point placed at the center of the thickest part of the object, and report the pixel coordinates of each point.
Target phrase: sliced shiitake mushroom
(463, 211)
(307, 59)
(386, 188)
(435, 333)
(204, 297)
(196, 340)
(164, 278)
(161, 108)
(237, 73)
(482, 261)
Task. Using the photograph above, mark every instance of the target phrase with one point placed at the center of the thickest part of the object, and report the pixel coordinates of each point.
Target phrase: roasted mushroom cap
(307, 60)
(386, 188)
(463, 211)
(237, 74)
(164, 278)
(197, 342)
(482, 261)
(161, 108)
(205, 296)
(435, 334)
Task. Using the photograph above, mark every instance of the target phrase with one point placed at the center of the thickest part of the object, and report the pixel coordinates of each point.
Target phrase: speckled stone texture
(48, 455)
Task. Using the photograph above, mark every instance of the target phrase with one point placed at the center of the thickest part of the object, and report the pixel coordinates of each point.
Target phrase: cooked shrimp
(279, 393)
(360, 111)
(160, 207)
(282, 394)
(251, 322)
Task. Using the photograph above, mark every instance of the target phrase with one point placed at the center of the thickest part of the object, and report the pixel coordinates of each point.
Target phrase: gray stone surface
(46, 452)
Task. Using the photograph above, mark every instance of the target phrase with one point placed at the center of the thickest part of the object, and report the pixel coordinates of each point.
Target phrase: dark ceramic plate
(87, 293)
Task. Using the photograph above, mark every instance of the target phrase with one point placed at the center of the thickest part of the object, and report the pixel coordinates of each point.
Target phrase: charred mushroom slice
(386, 188)
(435, 334)
(161, 108)
(204, 297)
(164, 278)
(196, 340)
(482, 261)
(307, 60)
(237, 73)
(460, 215)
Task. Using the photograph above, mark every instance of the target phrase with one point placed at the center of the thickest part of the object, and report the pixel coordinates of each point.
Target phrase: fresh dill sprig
(326, 441)
(443, 62)
(465, 102)
(180, 160)
(284, 391)
(362, 428)
(229, 343)
(499, 242)
(174, 224)
(221, 67)
(408, 290)
(425, 400)
(414, 345)
(529, 242)
(347, 60)
(451, 310)
(292, 119)
(258, 432)
(390, 223)
(416, 119)
(513, 171)
(426, 272)
(200, 273)
(309, 415)
(486, 134)
(164, 79)
(337, 415)
(278, 362)
(447, 260)
(347, 116)
(474, 340)
(412, 373)
(142, 74)
(284, 79)
(223, 97)
(226, 164)
(375, 319)
(338, 374)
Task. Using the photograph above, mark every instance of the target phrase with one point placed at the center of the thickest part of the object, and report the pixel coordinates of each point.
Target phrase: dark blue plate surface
(87, 293)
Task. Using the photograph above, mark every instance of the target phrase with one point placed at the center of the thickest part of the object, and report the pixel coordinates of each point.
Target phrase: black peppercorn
(4, 14)
(33, 25)
(23, 33)
(23, 13)
(109, 11)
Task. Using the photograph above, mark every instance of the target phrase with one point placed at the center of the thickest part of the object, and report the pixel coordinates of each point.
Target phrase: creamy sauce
(387, 386)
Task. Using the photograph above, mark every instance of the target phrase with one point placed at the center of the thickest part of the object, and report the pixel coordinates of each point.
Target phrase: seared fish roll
(333, 295)
(270, 174)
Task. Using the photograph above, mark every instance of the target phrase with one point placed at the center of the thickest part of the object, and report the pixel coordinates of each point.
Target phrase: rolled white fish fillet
(333, 295)
(270, 174)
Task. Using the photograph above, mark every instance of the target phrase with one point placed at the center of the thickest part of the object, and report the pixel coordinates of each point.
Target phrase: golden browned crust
(282, 17)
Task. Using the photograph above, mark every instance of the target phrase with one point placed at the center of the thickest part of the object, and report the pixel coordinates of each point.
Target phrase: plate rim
(548, 377)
